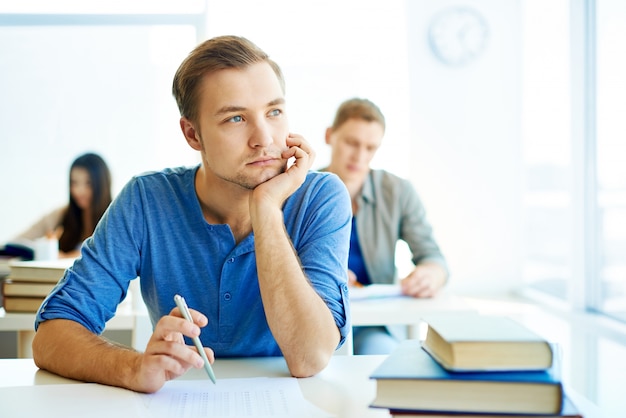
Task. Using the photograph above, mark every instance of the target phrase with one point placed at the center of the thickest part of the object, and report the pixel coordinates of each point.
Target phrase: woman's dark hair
(73, 222)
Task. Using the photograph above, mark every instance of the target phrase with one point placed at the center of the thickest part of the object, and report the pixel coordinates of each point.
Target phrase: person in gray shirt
(386, 208)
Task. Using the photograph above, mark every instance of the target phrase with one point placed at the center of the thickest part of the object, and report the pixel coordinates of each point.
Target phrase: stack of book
(473, 366)
(29, 282)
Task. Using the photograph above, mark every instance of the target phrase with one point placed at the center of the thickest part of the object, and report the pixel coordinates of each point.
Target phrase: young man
(386, 209)
(257, 247)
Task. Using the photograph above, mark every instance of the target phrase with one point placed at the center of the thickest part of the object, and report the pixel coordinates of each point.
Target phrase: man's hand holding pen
(167, 356)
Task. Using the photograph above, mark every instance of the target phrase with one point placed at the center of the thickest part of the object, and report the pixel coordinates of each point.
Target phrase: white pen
(182, 306)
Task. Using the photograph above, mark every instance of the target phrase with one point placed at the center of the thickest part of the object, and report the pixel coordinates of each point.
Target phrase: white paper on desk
(375, 291)
(250, 397)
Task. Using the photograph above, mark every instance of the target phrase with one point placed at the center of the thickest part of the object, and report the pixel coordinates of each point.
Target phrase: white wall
(331, 51)
(69, 90)
(466, 146)
(455, 132)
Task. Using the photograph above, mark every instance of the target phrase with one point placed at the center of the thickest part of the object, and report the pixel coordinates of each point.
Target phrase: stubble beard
(251, 183)
(241, 179)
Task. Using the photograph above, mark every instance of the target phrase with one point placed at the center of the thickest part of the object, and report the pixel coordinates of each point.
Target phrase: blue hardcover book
(410, 379)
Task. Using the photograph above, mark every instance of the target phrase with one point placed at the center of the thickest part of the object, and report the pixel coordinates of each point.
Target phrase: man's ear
(191, 135)
(329, 132)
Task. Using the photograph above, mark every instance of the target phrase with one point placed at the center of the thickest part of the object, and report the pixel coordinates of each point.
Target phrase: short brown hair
(215, 54)
(358, 109)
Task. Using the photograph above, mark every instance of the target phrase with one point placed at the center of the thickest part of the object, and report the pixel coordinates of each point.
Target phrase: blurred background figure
(385, 209)
(89, 197)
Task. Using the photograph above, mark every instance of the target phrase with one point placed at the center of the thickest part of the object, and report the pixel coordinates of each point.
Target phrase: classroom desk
(402, 310)
(126, 318)
(131, 315)
(383, 311)
(343, 389)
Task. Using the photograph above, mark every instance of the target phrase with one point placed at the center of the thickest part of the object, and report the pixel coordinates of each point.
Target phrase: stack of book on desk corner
(472, 365)
(29, 282)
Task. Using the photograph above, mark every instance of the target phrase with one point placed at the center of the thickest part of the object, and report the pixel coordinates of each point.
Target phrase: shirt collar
(367, 191)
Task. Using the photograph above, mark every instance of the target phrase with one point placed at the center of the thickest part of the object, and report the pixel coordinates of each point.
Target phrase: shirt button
(231, 260)
(227, 296)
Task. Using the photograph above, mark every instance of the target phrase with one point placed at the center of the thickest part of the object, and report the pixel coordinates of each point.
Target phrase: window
(609, 287)
(547, 149)
(575, 199)
(94, 79)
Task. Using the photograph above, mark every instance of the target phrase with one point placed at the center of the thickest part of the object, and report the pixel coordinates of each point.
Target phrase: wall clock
(458, 35)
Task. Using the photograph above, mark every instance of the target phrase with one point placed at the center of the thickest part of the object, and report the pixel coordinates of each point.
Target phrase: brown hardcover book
(39, 271)
(19, 304)
(474, 342)
(28, 289)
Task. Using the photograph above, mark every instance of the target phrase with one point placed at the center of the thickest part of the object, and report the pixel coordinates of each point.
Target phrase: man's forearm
(68, 349)
(298, 317)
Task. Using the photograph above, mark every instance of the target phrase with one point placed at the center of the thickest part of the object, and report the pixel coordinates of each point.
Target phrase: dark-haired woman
(90, 195)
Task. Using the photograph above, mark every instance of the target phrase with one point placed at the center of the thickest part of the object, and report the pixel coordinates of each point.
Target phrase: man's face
(242, 125)
(353, 145)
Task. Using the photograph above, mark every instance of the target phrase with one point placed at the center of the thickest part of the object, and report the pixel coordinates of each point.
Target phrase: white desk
(131, 315)
(342, 389)
(385, 311)
(125, 319)
(402, 310)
